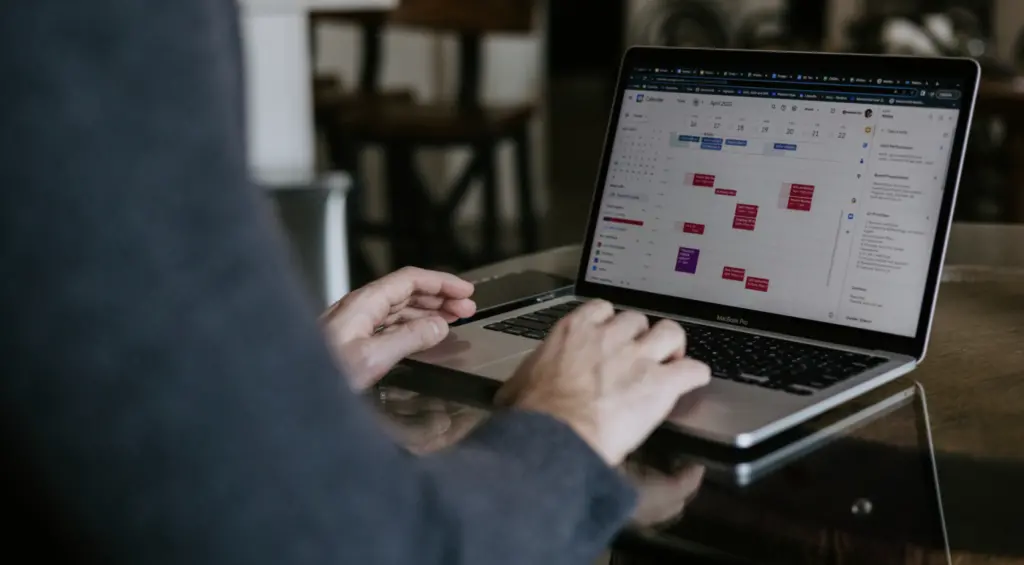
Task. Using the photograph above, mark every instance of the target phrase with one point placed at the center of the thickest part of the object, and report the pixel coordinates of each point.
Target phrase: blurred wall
(1009, 21)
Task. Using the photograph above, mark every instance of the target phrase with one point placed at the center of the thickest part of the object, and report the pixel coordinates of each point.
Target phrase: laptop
(790, 210)
(742, 468)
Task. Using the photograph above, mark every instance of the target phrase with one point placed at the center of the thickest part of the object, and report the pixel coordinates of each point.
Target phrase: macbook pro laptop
(790, 210)
(729, 466)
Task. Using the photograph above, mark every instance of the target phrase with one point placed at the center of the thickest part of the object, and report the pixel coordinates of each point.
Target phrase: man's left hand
(374, 327)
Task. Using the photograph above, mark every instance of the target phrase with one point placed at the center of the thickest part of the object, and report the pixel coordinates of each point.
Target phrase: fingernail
(436, 326)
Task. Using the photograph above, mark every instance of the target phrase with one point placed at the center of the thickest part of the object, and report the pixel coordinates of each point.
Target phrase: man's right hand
(612, 378)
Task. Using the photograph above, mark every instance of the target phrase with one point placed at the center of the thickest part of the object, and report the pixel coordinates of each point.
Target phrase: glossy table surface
(865, 490)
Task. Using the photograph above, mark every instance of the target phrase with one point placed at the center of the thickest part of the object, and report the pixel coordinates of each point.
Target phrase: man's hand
(373, 328)
(610, 377)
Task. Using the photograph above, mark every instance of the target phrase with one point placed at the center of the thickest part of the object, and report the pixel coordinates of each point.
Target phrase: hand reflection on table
(424, 425)
(662, 497)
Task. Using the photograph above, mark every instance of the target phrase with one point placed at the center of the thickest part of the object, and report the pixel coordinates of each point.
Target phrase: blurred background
(461, 132)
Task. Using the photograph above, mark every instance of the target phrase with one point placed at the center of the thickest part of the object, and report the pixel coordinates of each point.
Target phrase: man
(167, 397)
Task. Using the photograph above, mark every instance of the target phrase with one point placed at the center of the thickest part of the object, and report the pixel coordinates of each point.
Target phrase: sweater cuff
(555, 456)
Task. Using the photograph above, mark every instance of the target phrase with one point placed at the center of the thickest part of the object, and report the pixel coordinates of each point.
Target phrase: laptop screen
(813, 196)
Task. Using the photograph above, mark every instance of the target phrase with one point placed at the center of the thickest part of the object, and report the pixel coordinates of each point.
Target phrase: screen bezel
(966, 71)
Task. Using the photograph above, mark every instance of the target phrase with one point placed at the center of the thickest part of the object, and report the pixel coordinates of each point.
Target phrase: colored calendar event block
(690, 227)
(800, 204)
(801, 190)
(700, 179)
(746, 217)
(627, 221)
(725, 191)
(734, 274)
(758, 284)
(743, 223)
(795, 196)
(686, 260)
(800, 197)
(746, 210)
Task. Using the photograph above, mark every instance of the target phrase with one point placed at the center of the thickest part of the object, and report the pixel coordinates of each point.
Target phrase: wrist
(583, 425)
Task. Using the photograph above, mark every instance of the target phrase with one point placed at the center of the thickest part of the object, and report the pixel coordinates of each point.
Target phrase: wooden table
(974, 377)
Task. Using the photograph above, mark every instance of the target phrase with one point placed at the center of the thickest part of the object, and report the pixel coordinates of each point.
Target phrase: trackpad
(503, 369)
(469, 349)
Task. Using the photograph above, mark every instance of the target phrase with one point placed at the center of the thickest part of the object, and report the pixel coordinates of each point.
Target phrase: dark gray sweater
(167, 396)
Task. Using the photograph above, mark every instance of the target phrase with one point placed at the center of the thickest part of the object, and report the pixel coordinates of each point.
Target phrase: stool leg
(524, 171)
(489, 153)
(403, 220)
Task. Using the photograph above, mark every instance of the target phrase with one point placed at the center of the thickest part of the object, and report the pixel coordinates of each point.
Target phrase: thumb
(384, 350)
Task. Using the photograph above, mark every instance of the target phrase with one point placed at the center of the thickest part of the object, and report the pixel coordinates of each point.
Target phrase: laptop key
(539, 319)
(535, 334)
(522, 322)
(546, 316)
(566, 306)
(497, 326)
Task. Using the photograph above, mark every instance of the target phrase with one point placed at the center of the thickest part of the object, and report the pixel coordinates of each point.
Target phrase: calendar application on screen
(818, 206)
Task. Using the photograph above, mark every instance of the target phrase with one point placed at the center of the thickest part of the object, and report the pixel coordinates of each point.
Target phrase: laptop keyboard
(777, 364)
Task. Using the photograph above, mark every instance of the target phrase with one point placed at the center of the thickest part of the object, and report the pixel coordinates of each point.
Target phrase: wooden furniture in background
(421, 229)
(1005, 99)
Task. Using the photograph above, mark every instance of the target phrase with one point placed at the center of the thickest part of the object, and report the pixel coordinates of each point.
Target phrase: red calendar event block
(797, 203)
(690, 227)
(733, 274)
(754, 283)
(800, 197)
(700, 179)
(743, 223)
(746, 210)
(804, 190)
(725, 191)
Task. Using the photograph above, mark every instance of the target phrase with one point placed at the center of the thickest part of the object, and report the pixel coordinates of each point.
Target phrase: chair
(420, 229)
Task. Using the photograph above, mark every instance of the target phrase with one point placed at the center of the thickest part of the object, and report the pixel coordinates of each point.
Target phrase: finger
(419, 301)
(383, 351)
(592, 312)
(665, 341)
(450, 310)
(404, 283)
(460, 307)
(425, 301)
(624, 328)
(682, 376)
(409, 314)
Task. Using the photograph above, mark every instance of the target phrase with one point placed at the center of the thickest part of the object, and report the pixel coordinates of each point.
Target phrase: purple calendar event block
(686, 260)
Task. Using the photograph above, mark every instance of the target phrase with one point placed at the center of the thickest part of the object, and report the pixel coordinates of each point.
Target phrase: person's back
(168, 397)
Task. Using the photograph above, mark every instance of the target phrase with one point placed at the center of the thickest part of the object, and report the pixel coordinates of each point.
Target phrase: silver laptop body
(794, 207)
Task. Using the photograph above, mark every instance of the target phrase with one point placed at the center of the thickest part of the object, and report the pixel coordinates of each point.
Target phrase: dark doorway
(585, 44)
(585, 35)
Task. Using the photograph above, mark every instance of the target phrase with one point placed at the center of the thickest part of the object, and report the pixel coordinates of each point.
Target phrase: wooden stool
(421, 229)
